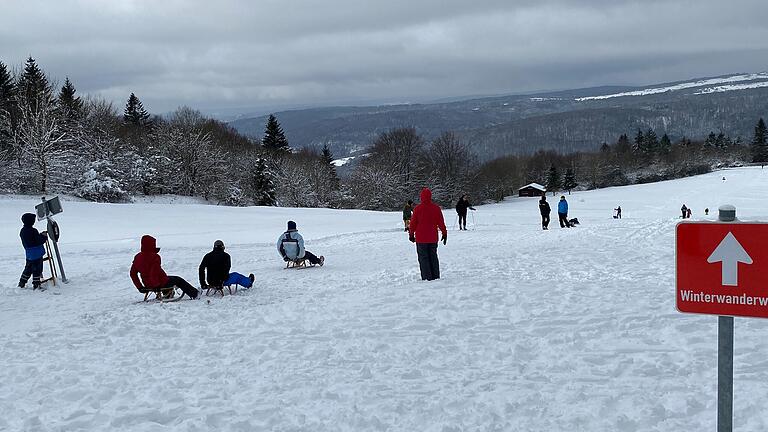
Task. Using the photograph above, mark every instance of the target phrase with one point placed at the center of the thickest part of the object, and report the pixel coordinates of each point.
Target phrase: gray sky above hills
(272, 54)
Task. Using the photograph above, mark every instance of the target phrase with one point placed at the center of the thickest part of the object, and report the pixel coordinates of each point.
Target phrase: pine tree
(33, 88)
(135, 114)
(639, 147)
(70, 106)
(553, 179)
(333, 177)
(710, 141)
(262, 188)
(759, 146)
(274, 138)
(665, 145)
(651, 143)
(7, 109)
(569, 183)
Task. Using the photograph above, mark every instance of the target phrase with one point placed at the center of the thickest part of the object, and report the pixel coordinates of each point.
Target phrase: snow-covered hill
(560, 330)
(703, 86)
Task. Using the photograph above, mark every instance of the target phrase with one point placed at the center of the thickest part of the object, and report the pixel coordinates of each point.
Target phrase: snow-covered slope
(705, 86)
(560, 330)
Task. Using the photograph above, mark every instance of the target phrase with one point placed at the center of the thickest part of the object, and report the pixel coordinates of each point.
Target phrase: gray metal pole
(727, 213)
(56, 249)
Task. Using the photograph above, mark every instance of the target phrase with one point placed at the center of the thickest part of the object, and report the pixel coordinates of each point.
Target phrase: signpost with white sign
(46, 210)
(722, 269)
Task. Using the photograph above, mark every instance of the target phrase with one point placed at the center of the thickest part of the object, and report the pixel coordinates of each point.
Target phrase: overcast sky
(272, 54)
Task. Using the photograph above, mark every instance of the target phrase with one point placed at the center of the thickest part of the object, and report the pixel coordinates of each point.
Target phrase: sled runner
(163, 295)
(298, 263)
(213, 290)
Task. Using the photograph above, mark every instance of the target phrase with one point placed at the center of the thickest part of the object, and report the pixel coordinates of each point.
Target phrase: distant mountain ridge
(564, 121)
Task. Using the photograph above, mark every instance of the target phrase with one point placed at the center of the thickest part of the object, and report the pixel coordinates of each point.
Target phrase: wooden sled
(163, 295)
(298, 264)
(213, 290)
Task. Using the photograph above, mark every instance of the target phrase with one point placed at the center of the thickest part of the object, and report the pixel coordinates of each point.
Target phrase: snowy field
(530, 330)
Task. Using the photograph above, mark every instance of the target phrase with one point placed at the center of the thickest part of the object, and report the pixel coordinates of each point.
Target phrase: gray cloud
(271, 53)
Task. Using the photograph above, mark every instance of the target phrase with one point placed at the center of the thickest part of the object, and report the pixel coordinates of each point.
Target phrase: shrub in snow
(99, 184)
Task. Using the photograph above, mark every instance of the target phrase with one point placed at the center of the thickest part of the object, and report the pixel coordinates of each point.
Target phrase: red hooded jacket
(427, 219)
(147, 263)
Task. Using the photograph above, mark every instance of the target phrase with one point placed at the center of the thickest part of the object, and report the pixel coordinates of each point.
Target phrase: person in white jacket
(290, 245)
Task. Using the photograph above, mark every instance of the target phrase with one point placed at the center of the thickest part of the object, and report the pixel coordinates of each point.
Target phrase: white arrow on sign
(730, 253)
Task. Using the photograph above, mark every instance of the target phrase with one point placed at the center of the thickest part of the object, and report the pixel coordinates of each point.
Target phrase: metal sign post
(726, 213)
(46, 210)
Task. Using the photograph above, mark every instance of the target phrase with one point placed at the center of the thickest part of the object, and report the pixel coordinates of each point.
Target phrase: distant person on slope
(618, 212)
(290, 245)
(407, 212)
(217, 263)
(562, 212)
(147, 263)
(34, 250)
(461, 208)
(684, 209)
(427, 219)
(545, 210)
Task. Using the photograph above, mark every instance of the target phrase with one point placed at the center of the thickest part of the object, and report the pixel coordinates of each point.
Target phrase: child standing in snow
(34, 249)
(407, 212)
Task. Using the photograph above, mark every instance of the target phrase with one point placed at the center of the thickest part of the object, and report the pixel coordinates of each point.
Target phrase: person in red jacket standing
(147, 264)
(426, 220)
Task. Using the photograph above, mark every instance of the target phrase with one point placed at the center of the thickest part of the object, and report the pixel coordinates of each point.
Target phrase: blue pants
(238, 279)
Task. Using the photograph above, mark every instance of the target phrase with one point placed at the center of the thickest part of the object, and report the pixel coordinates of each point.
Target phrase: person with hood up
(147, 264)
(562, 212)
(426, 221)
(407, 212)
(290, 245)
(545, 210)
(461, 208)
(684, 210)
(218, 263)
(34, 249)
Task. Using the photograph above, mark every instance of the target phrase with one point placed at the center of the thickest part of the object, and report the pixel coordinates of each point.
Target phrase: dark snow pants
(34, 269)
(312, 258)
(545, 220)
(463, 220)
(181, 283)
(428, 262)
(564, 220)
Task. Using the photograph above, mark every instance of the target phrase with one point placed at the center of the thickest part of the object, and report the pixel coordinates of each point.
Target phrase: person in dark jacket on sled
(34, 250)
(147, 264)
(290, 245)
(217, 263)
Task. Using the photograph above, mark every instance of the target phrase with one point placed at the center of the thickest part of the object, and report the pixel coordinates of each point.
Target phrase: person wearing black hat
(217, 263)
(290, 245)
(34, 250)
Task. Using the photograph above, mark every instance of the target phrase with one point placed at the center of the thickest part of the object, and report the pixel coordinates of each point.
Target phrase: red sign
(722, 268)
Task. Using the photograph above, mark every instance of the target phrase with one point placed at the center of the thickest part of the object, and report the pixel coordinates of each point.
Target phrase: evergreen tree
(759, 147)
(569, 182)
(274, 138)
(710, 141)
(7, 110)
(135, 114)
(665, 145)
(639, 147)
(722, 142)
(70, 106)
(262, 188)
(553, 179)
(333, 177)
(33, 89)
(651, 142)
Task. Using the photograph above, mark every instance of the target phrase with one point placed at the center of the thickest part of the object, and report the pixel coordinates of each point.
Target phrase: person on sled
(290, 245)
(147, 264)
(214, 270)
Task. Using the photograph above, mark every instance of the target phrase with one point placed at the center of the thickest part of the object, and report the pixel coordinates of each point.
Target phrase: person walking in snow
(684, 209)
(217, 264)
(407, 212)
(461, 208)
(562, 212)
(689, 212)
(426, 221)
(618, 212)
(147, 264)
(290, 245)
(545, 210)
(34, 250)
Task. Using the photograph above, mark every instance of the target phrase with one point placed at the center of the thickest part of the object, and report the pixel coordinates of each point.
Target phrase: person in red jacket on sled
(147, 264)
(427, 218)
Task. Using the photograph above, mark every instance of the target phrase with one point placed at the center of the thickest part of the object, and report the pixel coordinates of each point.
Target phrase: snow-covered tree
(70, 106)
(759, 145)
(261, 188)
(135, 114)
(100, 183)
(553, 179)
(569, 182)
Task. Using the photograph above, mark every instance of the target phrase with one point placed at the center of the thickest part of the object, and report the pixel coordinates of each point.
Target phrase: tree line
(52, 140)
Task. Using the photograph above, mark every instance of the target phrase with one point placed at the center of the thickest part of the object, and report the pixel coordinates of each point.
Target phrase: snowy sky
(271, 54)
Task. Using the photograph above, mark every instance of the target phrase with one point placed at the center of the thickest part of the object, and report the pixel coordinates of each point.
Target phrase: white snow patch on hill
(683, 86)
(567, 329)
